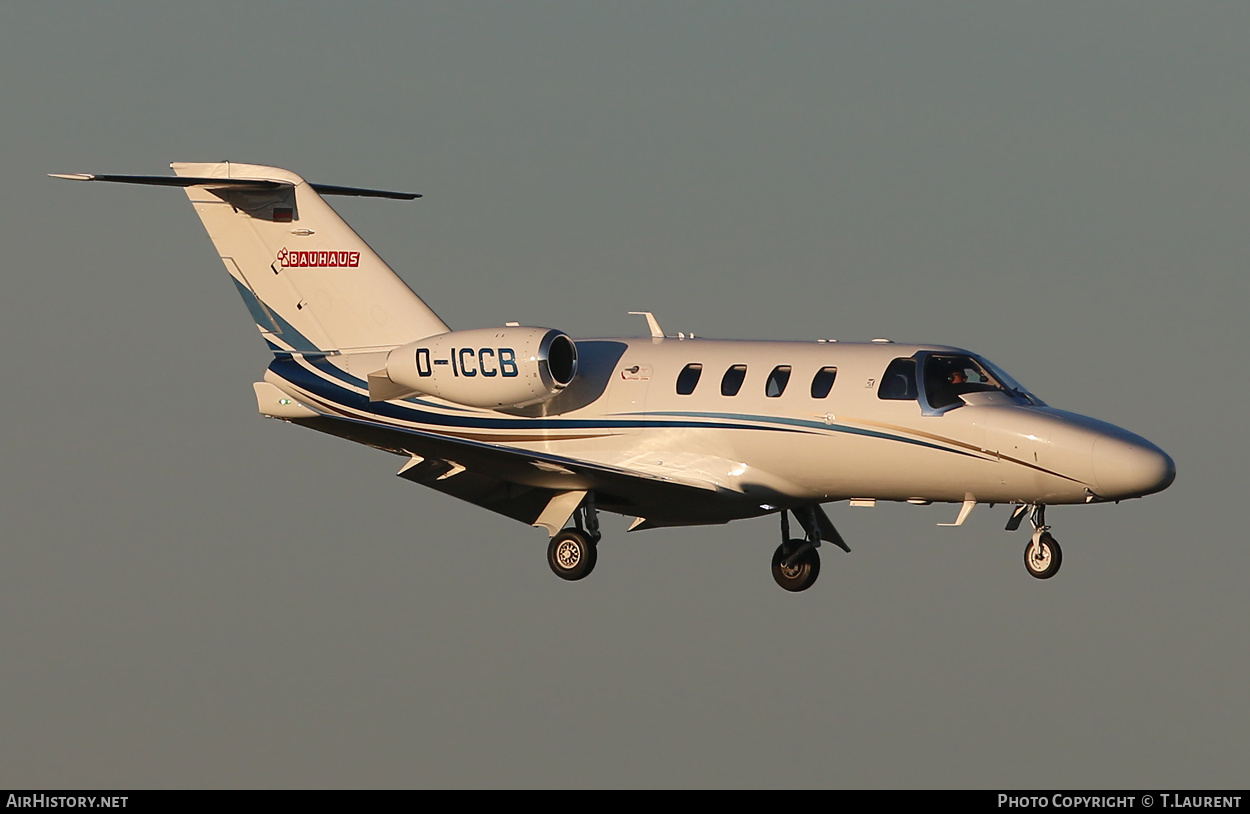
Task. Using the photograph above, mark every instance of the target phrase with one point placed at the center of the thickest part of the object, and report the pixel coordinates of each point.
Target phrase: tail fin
(311, 283)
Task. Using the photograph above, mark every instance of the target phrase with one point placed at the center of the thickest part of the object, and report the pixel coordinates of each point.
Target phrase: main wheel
(800, 575)
(571, 555)
(1042, 557)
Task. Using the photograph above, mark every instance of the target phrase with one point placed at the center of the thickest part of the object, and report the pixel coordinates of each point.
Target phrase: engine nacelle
(486, 367)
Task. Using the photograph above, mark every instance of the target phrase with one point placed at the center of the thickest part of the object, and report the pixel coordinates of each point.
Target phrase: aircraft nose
(1130, 467)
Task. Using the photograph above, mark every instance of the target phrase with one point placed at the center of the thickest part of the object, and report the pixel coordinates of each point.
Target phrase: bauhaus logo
(321, 260)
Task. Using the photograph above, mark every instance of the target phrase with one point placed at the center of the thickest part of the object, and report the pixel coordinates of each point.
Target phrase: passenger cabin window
(688, 378)
(899, 381)
(731, 382)
(822, 382)
(777, 381)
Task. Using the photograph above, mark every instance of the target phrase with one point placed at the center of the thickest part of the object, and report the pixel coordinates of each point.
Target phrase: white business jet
(671, 430)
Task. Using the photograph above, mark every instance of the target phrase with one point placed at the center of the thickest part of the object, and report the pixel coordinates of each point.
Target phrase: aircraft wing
(515, 482)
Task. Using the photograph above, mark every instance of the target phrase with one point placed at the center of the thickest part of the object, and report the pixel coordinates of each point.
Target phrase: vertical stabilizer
(311, 283)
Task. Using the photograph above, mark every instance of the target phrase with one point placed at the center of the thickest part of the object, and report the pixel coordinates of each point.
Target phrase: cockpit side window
(899, 381)
(949, 376)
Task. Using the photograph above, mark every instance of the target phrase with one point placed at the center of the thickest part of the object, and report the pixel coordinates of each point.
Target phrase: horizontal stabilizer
(328, 189)
(233, 183)
(175, 181)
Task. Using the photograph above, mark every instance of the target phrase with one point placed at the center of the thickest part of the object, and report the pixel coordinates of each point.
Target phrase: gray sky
(191, 596)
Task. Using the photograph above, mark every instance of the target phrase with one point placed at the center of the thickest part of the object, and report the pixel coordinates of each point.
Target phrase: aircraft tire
(1043, 558)
(801, 575)
(571, 555)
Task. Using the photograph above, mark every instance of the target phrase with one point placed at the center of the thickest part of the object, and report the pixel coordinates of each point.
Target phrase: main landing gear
(796, 562)
(1042, 555)
(572, 553)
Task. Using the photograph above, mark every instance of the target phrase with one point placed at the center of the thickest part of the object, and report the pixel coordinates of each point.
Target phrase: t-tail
(312, 285)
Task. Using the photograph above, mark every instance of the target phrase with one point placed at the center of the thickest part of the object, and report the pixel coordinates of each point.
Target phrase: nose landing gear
(1042, 555)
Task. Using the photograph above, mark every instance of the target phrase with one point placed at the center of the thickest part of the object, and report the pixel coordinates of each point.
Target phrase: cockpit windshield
(948, 376)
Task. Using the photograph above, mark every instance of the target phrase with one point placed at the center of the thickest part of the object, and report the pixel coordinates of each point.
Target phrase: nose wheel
(1042, 556)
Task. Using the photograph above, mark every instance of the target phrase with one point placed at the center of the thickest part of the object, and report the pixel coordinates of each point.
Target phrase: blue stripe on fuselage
(821, 427)
(300, 376)
(297, 374)
(329, 368)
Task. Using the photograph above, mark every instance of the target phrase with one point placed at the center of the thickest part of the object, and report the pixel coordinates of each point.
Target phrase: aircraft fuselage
(763, 451)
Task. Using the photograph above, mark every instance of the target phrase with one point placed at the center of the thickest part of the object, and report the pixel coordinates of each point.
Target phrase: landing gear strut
(1042, 555)
(572, 553)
